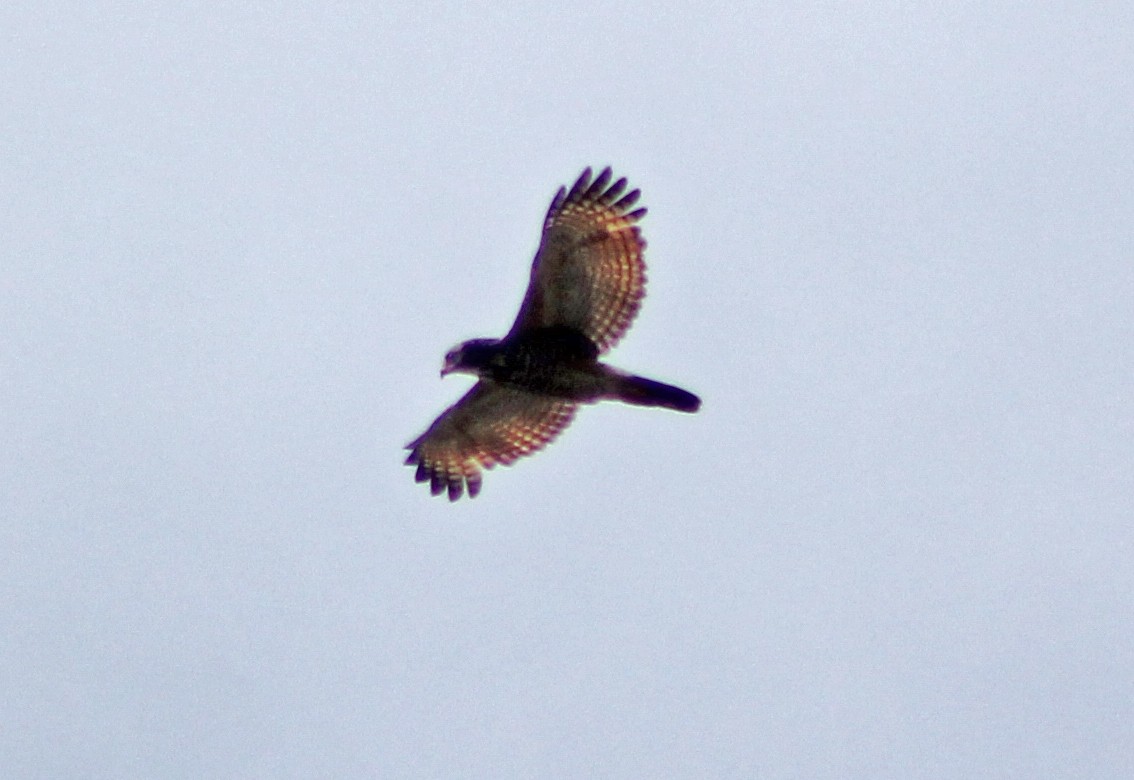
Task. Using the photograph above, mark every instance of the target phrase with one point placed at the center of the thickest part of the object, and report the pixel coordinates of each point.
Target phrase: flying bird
(587, 284)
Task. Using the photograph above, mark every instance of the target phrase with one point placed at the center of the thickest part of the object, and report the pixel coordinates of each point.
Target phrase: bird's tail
(640, 391)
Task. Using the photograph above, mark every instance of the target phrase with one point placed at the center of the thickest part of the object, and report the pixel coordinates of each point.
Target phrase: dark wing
(491, 424)
(589, 273)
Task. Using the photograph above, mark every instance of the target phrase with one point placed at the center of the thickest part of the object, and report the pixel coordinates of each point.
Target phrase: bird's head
(471, 357)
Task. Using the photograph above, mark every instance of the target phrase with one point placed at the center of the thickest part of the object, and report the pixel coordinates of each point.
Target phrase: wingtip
(581, 184)
(456, 488)
(437, 483)
(599, 184)
(602, 189)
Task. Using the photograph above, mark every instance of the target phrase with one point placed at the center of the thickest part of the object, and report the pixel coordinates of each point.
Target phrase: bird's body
(548, 361)
(587, 283)
(559, 362)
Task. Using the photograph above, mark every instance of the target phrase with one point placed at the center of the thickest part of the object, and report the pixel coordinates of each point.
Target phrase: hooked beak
(449, 367)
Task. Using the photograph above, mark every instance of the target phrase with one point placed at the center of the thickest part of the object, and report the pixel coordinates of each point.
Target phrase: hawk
(587, 283)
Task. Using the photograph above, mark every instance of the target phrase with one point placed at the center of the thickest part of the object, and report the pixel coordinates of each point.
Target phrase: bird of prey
(587, 283)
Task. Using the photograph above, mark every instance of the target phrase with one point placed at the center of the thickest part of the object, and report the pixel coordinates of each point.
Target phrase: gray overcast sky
(890, 245)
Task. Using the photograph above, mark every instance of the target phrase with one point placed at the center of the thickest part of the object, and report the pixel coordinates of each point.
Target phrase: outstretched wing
(491, 424)
(589, 273)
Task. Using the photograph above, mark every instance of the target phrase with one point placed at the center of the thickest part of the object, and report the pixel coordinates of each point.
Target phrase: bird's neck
(480, 358)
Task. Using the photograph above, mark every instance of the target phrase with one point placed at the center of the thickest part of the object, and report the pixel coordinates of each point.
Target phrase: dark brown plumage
(587, 283)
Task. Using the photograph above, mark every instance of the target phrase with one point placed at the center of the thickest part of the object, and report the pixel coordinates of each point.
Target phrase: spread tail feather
(640, 391)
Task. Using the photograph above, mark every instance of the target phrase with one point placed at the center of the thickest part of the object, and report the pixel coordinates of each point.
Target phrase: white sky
(890, 246)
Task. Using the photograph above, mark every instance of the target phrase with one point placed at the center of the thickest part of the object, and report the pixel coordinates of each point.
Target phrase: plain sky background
(890, 245)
